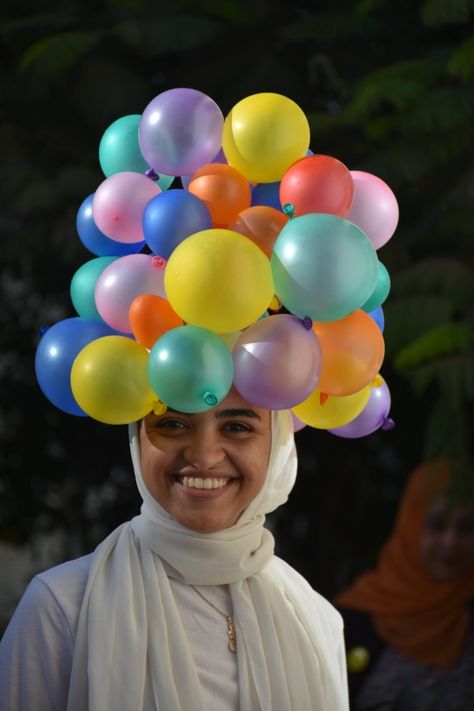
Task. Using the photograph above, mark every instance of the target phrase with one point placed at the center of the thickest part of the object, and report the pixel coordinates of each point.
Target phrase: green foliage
(56, 53)
(443, 339)
(436, 13)
(461, 62)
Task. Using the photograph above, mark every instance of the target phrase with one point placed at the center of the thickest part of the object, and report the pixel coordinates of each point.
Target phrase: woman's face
(205, 469)
(447, 541)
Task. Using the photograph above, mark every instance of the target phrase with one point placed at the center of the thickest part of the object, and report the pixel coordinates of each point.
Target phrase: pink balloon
(277, 362)
(118, 205)
(374, 209)
(116, 288)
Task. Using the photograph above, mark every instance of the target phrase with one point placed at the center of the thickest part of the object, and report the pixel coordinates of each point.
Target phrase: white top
(46, 619)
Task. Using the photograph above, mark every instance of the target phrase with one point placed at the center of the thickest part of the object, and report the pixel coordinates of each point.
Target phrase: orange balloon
(261, 224)
(224, 190)
(352, 350)
(150, 317)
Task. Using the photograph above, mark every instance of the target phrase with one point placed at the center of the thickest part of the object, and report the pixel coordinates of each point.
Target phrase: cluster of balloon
(226, 254)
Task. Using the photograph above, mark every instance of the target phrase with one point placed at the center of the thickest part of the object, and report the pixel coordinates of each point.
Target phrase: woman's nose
(204, 451)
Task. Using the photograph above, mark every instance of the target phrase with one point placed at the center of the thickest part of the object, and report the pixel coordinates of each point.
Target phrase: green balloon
(83, 286)
(119, 150)
(190, 369)
(381, 290)
(323, 267)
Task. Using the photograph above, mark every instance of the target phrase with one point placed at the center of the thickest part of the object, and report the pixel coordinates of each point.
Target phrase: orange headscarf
(427, 620)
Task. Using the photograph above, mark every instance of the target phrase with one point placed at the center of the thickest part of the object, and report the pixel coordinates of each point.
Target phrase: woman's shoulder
(295, 584)
(59, 588)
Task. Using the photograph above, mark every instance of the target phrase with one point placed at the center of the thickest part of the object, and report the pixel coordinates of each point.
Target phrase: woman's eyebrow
(238, 412)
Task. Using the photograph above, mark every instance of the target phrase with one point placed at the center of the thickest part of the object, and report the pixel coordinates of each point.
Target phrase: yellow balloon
(219, 280)
(109, 380)
(326, 412)
(263, 135)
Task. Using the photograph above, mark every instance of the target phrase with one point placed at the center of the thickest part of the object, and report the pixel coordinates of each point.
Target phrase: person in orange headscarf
(409, 622)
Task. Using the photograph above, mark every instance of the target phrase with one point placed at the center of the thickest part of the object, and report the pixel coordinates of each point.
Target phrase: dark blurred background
(387, 88)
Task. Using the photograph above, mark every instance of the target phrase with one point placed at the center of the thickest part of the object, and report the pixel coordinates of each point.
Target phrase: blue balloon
(378, 316)
(172, 216)
(267, 194)
(56, 353)
(95, 240)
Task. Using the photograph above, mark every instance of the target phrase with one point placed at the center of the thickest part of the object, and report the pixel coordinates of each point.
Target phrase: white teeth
(195, 482)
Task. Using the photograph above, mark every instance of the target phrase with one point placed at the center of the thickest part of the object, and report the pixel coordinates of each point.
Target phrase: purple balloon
(277, 362)
(373, 416)
(297, 423)
(180, 130)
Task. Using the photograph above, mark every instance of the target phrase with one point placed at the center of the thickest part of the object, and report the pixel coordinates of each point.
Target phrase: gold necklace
(231, 633)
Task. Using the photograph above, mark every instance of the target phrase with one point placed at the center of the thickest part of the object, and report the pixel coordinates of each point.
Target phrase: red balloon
(318, 184)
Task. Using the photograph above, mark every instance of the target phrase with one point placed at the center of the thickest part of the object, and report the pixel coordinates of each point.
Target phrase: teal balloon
(83, 286)
(381, 290)
(119, 150)
(190, 369)
(323, 267)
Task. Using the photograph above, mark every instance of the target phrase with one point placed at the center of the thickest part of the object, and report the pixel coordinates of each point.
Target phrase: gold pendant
(232, 645)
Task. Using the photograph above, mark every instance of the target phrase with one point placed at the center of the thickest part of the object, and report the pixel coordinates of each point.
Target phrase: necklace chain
(231, 633)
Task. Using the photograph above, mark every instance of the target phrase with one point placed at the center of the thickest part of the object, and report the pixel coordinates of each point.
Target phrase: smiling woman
(186, 606)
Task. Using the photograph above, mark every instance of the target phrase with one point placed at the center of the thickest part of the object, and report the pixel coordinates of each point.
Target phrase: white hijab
(131, 652)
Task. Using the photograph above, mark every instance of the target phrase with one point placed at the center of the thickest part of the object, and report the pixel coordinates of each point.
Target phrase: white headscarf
(131, 652)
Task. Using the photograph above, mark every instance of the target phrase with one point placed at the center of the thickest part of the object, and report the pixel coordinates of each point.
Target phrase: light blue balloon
(381, 290)
(83, 286)
(190, 369)
(119, 150)
(323, 267)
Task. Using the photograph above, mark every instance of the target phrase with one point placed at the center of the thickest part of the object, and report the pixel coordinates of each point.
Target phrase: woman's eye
(237, 427)
(170, 425)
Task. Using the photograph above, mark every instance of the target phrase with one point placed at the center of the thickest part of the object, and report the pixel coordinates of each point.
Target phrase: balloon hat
(259, 271)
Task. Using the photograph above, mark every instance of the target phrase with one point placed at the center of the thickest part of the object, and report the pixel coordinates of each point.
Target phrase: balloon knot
(289, 209)
(150, 173)
(210, 399)
(323, 398)
(43, 330)
(377, 382)
(158, 262)
(307, 323)
(387, 424)
(159, 408)
(275, 304)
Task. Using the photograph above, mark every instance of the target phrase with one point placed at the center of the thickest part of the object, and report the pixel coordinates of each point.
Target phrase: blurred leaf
(461, 63)
(330, 25)
(57, 53)
(170, 33)
(397, 85)
(448, 278)
(35, 21)
(434, 111)
(408, 316)
(444, 339)
(436, 13)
